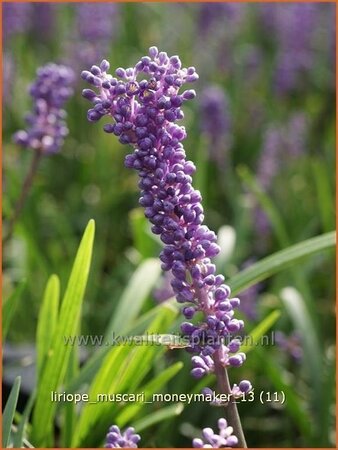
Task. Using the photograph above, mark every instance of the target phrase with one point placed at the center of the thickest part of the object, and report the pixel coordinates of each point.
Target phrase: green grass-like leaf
(294, 405)
(325, 195)
(259, 331)
(19, 436)
(154, 386)
(58, 357)
(135, 294)
(158, 416)
(122, 370)
(313, 360)
(280, 230)
(134, 298)
(280, 261)
(143, 241)
(47, 321)
(9, 411)
(9, 307)
(265, 202)
(69, 409)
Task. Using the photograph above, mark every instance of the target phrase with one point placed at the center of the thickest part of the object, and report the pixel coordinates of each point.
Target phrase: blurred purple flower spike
(46, 123)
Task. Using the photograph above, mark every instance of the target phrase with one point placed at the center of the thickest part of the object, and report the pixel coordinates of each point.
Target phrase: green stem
(27, 184)
(231, 411)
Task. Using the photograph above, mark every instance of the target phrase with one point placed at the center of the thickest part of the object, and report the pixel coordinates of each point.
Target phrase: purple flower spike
(216, 122)
(44, 19)
(96, 21)
(225, 438)
(229, 14)
(144, 104)
(282, 145)
(116, 439)
(46, 124)
(96, 26)
(16, 18)
(8, 74)
(293, 27)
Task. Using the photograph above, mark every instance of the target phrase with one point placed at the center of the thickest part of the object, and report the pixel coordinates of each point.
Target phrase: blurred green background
(265, 167)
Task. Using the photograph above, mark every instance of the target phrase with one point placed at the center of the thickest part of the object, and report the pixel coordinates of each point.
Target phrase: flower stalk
(231, 411)
(26, 187)
(144, 114)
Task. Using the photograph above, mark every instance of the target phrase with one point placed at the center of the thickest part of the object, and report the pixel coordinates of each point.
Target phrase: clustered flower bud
(244, 387)
(144, 114)
(224, 438)
(46, 123)
(116, 439)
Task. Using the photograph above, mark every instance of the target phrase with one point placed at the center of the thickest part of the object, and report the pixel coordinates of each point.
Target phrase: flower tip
(197, 372)
(104, 66)
(189, 95)
(153, 52)
(88, 94)
(85, 74)
(120, 72)
(245, 386)
(197, 443)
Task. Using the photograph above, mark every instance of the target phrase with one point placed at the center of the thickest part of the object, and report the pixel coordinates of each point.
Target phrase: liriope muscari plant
(46, 124)
(144, 104)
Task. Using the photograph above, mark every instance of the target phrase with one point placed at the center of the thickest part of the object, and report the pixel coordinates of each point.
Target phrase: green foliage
(123, 320)
(144, 241)
(159, 416)
(267, 204)
(9, 306)
(152, 387)
(132, 299)
(58, 354)
(260, 330)
(47, 322)
(295, 405)
(280, 261)
(58, 362)
(9, 411)
(314, 360)
(325, 200)
(19, 439)
(129, 364)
